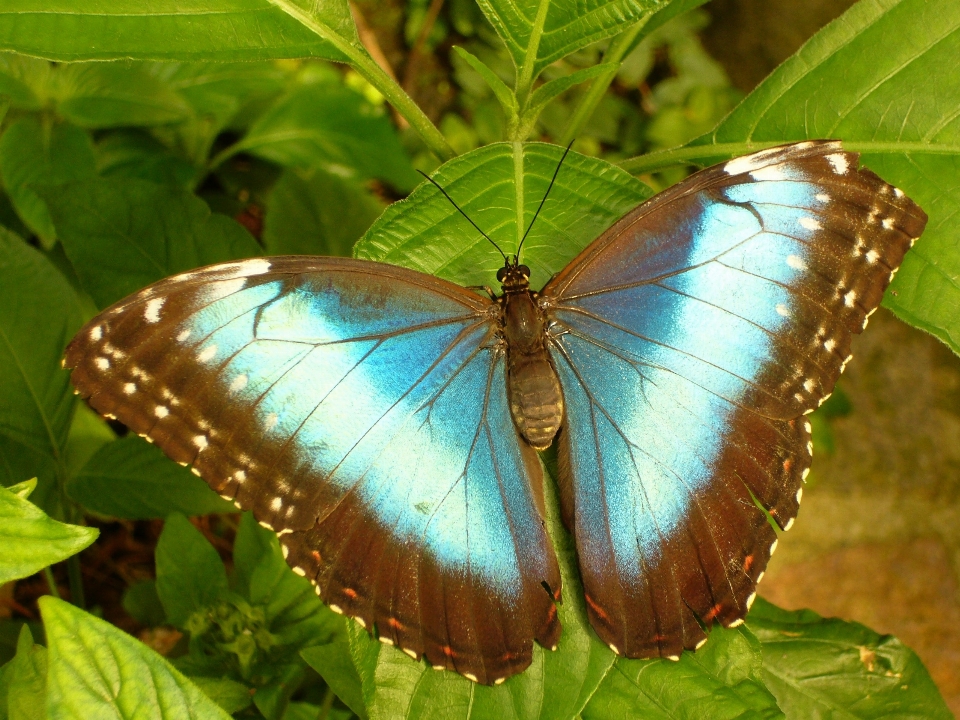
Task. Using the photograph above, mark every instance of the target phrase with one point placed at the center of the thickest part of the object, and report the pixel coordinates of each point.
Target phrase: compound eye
(524, 269)
(501, 274)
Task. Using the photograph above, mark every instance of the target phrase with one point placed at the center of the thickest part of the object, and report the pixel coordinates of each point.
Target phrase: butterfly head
(514, 277)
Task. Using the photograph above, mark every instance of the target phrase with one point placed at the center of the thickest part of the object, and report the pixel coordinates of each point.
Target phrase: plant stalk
(51, 582)
(375, 75)
(588, 103)
(525, 76)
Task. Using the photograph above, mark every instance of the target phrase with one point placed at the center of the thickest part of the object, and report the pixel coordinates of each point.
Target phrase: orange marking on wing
(448, 651)
(713, 612)
(596, 608)
(350, 593)
(747, 563)
(316, 556)
(395, 624)
(787, 464)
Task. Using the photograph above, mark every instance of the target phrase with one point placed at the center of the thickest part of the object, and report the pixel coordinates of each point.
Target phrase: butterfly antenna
(447, 196)
(549, 188)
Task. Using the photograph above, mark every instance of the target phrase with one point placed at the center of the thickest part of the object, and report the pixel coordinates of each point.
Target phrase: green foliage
(118, 174)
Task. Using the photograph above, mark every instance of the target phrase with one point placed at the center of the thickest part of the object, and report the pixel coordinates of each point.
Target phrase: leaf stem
(376, 76)
(51, 582)
(614, 54)
(694, 154)
(525, 76)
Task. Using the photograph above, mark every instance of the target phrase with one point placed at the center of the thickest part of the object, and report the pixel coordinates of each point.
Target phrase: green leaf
(500, 187)
(504, 94)
(317, 213)
(97, 670)
(555, 29)
(30, 540)
(228, 694)
(134, 480)
(819, 667)
(333, 663)
(24, 489)
(161, 30)
(102, 95)
(24, 81)
(35, 154)
(121, 235)
(883, 78)
(135, 154)
(549, 90)
(332, 127)
(39, 313)
(88, 433)
(26, 680)
(190, 574)
(143, 604)
(721, 681)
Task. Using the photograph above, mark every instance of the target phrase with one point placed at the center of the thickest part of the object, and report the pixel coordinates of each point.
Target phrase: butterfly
(385, 423)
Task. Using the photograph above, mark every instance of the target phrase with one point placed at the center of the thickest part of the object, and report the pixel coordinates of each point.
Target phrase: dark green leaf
(316, 213)
(39, 313)
(821, 667)
(190, 574)
(143, 604)
(30, 540)
(96, 670)
(132, 479)
(251, 545)
(560, 27)
(228, 694)
(162, 30)
(721, 681)
(26, 680)
(662, 16)
(88, 433)
(134, 154)
(23, 81)
(324, 125)
(101, 95)
(34, 154)
(272, 699)
(121, 234)
(333, 663)
(425, 232)
(884, 78)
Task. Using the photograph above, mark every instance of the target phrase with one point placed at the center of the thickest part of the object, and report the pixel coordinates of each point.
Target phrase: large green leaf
(721, 681)
(500, 187)
(96, 670)
(317, 213)
(330, 126)
(829, 668)
(884, 78)
(190, 574)
(132, 479)
(555, 28)
(39, 313)
(35, 154)
(222, 30)
(123, 234)
(30, 540)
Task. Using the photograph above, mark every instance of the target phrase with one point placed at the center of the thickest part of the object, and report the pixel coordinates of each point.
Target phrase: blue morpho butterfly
(385, 422)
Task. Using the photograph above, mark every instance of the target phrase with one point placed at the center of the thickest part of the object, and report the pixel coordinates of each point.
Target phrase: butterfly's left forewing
(690, 340)
(359, 411)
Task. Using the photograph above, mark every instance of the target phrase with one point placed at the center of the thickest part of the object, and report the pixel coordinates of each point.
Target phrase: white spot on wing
(796, 262)
(810, 223)
(200, 441)
(829, 345)
(839, 162)
(207, 353)
(789, 524)
(184, 334)
(470, 676)
(239, 383)
(161, 411)
(823, 197)
(887, 223)
(129, 388)
(771, 172)
(799, 494)
(872, 256)
(96, 333)
(808, 385)
(804, 474)
(300, 571)
(898, 192)
(782, 310)
(271, 421)
(240, 476)
(152, 312)
(276, 503)
(102, 363)
(614, 649)
(850, 298)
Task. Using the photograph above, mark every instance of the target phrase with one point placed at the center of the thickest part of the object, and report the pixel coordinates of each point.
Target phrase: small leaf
(143, 604)
(23, 490)
(121, 234)
(190, 574)
(317, 213)
(332, 127)
(30, 540)
(97, 670)
(564, 28)
(131, 479)
(815, 666)
(549, 90)
(137, 155)
(31, 155)
(333, 663)
(26, 680)
(228, 694)
(504, 94)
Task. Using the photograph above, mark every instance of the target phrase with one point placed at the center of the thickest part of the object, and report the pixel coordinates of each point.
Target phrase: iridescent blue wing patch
(359, 411)
(690, 340)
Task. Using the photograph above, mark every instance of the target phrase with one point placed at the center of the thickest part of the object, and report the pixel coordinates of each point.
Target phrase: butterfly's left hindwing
(690, 340)
(359, 411)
